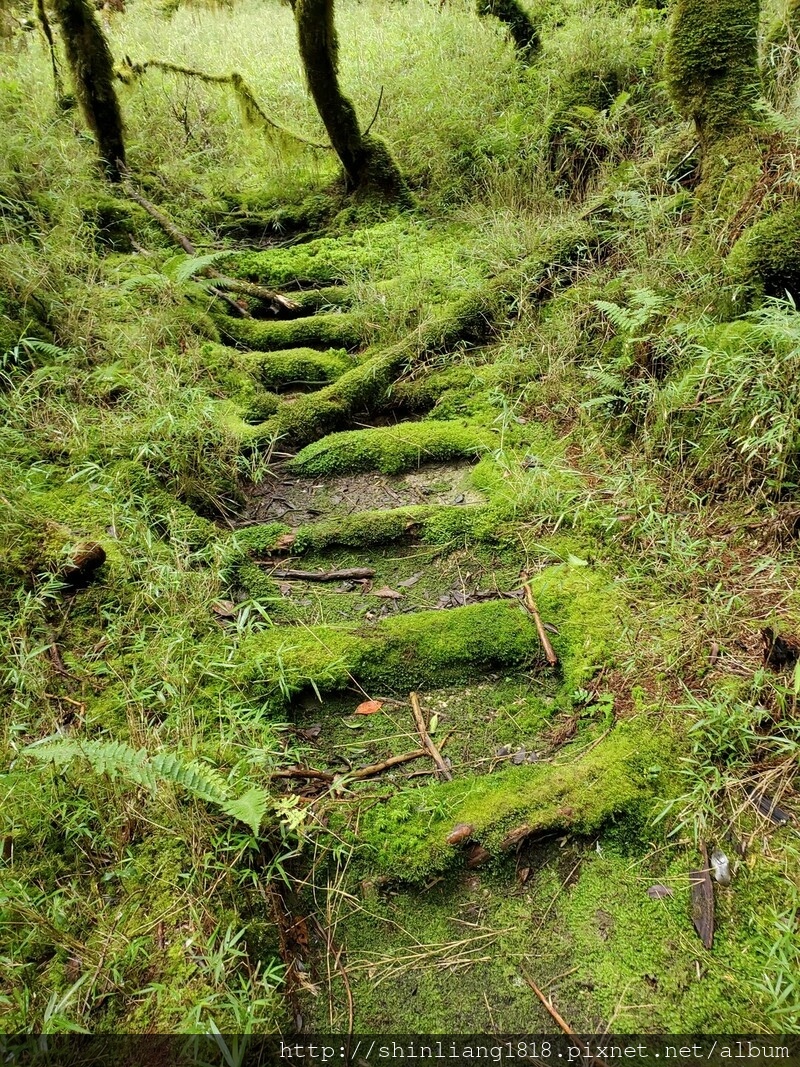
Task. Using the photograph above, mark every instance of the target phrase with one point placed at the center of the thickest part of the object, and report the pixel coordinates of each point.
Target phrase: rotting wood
(530, 604)
(348, 573)
(363, 772)
(433, 751)
(515, 837)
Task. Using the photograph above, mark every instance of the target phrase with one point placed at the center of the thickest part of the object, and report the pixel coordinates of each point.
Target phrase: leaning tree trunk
(521, 27)
(92, 67)
(712, 65)
(368, 165)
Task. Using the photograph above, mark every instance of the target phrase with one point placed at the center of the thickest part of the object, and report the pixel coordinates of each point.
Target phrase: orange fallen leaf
(369, 707)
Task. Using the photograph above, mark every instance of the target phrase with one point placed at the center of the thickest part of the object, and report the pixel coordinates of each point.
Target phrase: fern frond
(117, 758)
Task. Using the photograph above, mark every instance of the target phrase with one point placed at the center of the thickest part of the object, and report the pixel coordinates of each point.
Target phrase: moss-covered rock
(391, 449)
(766, 258)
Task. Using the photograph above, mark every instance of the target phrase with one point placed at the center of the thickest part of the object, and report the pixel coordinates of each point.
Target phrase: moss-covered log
(712, 64)
(400, 653)
(367, 162)
(521, 27)
(328, 331)
(500, 811)
(391, 449)
(297, 368)
(92, 67)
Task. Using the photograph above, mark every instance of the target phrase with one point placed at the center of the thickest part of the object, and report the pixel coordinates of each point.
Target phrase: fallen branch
(530, 604)
(392, 761)
(429, 745)
(363, 772)
(348, 573)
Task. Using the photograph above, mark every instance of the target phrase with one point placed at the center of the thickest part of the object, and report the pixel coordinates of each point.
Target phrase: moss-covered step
(436, 523)
(432, 648)
(297, 368)
(325, 260)
(391, 449)
(331, 330)
(401, 653)
(416, 833)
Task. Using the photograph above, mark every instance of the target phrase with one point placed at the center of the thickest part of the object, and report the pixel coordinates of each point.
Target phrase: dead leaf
(389, 594)
(703, 901)
(659, 892)
(408, 582)
(368, 707)
(226, 609)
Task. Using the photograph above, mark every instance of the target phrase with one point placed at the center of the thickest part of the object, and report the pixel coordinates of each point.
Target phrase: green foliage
(117, 758)
(731, 415)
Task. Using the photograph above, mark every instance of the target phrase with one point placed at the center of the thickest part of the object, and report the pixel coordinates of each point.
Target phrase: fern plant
(115, 758)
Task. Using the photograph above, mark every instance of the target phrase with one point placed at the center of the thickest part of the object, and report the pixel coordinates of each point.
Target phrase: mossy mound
(406, 838)
(766, 258)
(298, 368)
(330, 330)
(390, 449)
(402, 653)
(324, 261)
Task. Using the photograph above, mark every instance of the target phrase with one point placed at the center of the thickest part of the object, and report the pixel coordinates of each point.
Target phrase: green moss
(712, 63)
(400, 653)
(469, 318)
(588, 614)
(436, 523)
(329, 331)
(766, 258)
(299, 367)
(390, 449)
(324, 261)
(423, 393)
(406, 837)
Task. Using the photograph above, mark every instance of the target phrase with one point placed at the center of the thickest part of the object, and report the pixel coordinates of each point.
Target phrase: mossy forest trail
(402, 485)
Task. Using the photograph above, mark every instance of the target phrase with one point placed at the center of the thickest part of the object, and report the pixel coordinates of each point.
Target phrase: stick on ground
(431, 748)
(530, 604)
(353, 573)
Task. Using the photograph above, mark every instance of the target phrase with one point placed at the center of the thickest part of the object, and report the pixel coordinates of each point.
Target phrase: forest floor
(510, 458)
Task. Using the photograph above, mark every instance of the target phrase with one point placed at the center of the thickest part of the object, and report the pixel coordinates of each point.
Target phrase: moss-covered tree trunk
(92, 68)
(367, 163)
(521, 27)
(712, 65)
